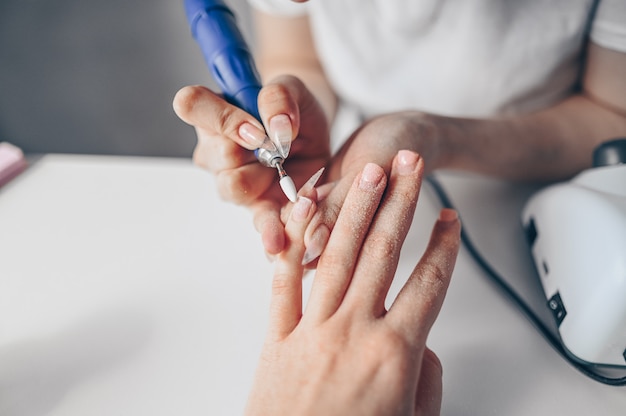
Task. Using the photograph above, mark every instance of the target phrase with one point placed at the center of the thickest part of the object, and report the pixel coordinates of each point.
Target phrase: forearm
(313, 78)
(552, 144)
(285, 46)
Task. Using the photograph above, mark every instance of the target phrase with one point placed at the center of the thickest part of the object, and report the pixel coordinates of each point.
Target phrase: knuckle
(330, 213)
(332, 262)
(287, 79)
(274, 93)
(216, 154)
(221, 117)
(224, 117)
(395, 349)
(381, 245)
(434, 277)
(232, 186)
(281, 284)
(405, 197)
(226, 152)
(393, 341)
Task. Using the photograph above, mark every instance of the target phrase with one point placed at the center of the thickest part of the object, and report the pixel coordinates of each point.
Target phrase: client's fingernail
(251, 135)
(310, 184)
(281, 131)
(316, 244)
(301, 209)
(448, 215)
(371, 176)
(407, 162)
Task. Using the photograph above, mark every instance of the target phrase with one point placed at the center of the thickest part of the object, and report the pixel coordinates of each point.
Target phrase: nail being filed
(310, 184)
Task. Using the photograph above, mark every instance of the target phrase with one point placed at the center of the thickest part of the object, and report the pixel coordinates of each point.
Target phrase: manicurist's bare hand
(227, 135)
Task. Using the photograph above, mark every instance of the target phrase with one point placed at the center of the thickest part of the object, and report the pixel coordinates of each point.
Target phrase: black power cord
(526, 310)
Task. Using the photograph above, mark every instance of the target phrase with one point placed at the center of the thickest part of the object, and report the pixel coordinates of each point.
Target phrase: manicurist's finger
(202, 108)
(267, 222)
(336, 265)
(286, 302)
(245, 184)
(418, 303)
(381, 249)
(216, 153)
(279, 111)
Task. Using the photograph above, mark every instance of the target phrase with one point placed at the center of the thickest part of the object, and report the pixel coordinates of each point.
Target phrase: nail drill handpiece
(226, 53)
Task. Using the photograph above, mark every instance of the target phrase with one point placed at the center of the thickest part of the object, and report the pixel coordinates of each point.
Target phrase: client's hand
(347, 354)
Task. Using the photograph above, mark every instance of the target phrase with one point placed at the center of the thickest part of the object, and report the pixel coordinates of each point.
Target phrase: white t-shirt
(464, 58)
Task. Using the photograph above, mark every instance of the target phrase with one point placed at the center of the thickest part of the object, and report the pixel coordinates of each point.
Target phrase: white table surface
(127, 287)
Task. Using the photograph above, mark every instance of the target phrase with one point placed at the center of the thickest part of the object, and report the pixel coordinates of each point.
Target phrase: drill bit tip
(289, 188)
(286, 183)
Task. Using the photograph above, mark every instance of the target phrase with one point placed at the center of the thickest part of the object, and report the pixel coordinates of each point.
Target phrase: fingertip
(273, 239)
(281, 133)
(302, 209)
(448, 215)
(178, 103)
(185, 99)
(447, 230)
(371, 177)
(408, 162)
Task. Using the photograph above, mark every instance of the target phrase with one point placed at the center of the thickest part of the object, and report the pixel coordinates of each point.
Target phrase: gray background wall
(92, 76)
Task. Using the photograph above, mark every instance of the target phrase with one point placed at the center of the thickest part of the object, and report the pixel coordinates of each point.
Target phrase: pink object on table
(12, 162)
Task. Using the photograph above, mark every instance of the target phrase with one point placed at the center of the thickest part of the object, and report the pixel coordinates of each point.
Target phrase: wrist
(460, 143)
(430, 140)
